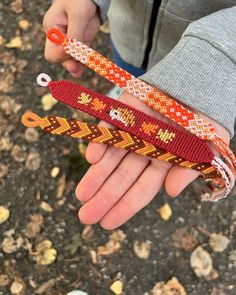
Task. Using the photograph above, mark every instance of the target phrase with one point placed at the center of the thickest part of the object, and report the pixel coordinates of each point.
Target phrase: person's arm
(201, 70)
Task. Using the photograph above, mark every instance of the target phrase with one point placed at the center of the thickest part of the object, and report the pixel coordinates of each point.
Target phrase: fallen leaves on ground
(33, 161)
(10, 244)
(34, 227)
(3, 170)
(47, 286)
(142, 249)
(46, 207)
(17, 287)
(15, 42)
(218, 242)
(232, 257)
(183, 239)
(113, 245)
(165, 212)
(117, 287)
(4, 214)
(172, 287)
(4, 280)
(44, 253)
(61, 185)
(201, 263)
(31, 135)
(16, 6)
(74, 244)
(48, 102)
(24, 24)
(87, 232)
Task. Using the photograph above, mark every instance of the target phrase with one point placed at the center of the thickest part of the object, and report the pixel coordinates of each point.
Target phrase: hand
(76, 19)
(119, 183)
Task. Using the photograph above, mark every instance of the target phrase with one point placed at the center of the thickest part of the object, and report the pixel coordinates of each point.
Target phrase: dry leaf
(7, 58)
(45, 254)
(4, 280)
(3, 170)
(184, 240)
(4, 214)
(82, 149)
(47, 286)
(88, 232)
(46, 207)
(216, 291)
(34, 227)
(6, 81)
(33, 161)
(18, 154)
(5, 144)
(17, 287)
(218, 242)
(2, 40)
(165, 212)
(15, 42)
(55, 171)
(114, 243)
(105, 27)
(142, 249)
(16, 6)
(117, 287)
(48, 102)
(93, 256)
(11, 245)
(232, 257)
(61, 185)
(8, 105)
(201, 262)
(172, 287)
(24, 24)
(31, 135)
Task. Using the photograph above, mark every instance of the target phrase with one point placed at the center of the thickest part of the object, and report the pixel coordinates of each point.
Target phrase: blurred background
(172, 247)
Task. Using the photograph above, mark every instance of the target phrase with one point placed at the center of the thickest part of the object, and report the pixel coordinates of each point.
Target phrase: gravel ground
(42, 206)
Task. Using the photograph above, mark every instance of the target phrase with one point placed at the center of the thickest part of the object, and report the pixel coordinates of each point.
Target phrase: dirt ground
(44, 249)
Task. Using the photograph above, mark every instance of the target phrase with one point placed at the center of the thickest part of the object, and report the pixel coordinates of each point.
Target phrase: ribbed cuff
(201, 76)
(103, 6)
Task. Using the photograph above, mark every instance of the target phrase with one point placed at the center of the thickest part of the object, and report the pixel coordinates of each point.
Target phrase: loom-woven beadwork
(157, 132)
(117, 138)
(150, 95)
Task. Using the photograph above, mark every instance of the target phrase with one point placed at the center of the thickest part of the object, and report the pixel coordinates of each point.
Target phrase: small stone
(77, 292)
(172, 287)
(31, 135)
(117, 287)
(4, 214)
(55, 171)
(33, 161)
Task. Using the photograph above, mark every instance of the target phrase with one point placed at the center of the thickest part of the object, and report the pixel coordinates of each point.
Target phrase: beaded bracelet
(148, 94)
(131, 120)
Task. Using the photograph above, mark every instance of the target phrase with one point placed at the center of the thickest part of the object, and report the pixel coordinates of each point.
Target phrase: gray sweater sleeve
(201, 70)
(103, 6)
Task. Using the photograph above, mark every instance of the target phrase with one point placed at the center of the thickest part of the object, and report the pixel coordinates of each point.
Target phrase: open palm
(119, 183)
